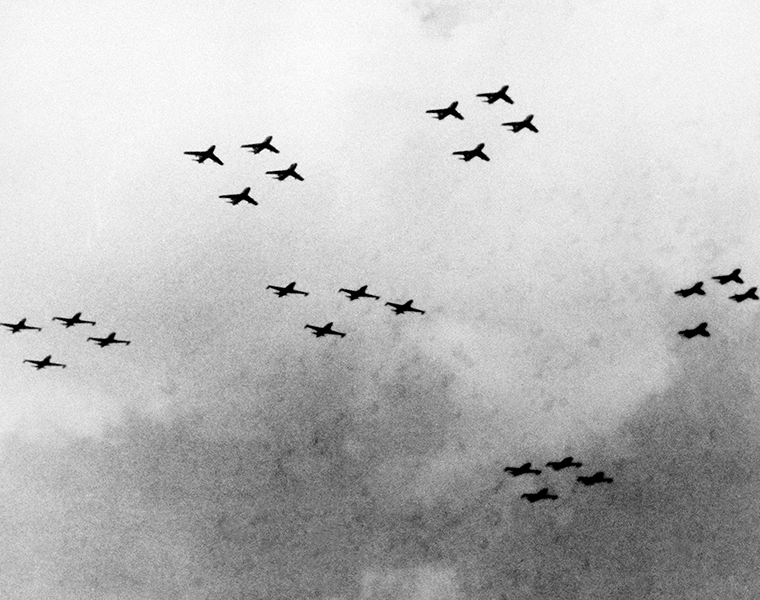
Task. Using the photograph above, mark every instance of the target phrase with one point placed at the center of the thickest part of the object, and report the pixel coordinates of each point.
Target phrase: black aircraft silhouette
(288, 289)
(285, 173)
(523, 470)
(402, 308)
(732, 276)
(597, 477)
(360, 293)
(243, 196)
(45, 362)
(16, 327)
(107, 341)
(750, 294)
(202, 155)
(542, 494)
(700, 329)
(326, 330)
(265, 145)
(695, 289)
(442, 113)
(526, 123)
(468, 155)
(564, 464)
(492, 97)
(71, 321)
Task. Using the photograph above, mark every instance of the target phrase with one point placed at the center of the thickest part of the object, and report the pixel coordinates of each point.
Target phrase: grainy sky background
(227, 453)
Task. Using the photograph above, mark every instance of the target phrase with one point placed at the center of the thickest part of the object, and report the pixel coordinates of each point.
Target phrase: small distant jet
(542, 494)
(526, 123)
(71, 321)
(107, 341)
(523, 470)
(700, 329)
(265, 145)
(243, 196)
(16, 327)
(402, 308)
(732, 276)
(597, 477)
(695, 289)
(442, 113)
(45, 362)
(468, 155)
(564, 464)
(326, 330)
(285, 173)
(750, 294)
(202, 155)
(492, 97)
(288, 289)
(360, 293)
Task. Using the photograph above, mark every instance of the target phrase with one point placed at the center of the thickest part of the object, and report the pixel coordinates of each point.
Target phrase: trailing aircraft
(700, 329)
(695, 289)
(468, 155)
(402, 308)
(265, 145)
(360, 293)
(450, 110)
(750, 294)
(45, 362)
(107, 341)
(203, 155)
(325, 330)
(492, 97)
(732, 276)
(526, 123)
(243, 196)
(285, 173)
(564, 464)
(522, 470)
(542, 494)
(288, 289)
(71, 321)
(16, 327)
(597, 477)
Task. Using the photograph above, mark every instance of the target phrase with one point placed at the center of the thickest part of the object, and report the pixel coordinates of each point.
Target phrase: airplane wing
(215, 159)
(297, 176)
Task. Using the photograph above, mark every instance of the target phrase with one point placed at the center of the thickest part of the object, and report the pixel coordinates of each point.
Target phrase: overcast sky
(228, 454)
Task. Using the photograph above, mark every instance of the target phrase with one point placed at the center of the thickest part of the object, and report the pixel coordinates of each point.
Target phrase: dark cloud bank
(314, 496)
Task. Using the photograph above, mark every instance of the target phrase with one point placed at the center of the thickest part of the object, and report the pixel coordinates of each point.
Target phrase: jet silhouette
(16, 327)
(597, 477)
(402, 308)
(700, 329)
(360, 293)
(265, 145)
(542, 494)
(750, 294)
(202, 155)
(75, 320)
(526, 123)
(326, 330)
(523, 470)
(243, 196)
(442, 113)
(45, 362)
(468, 155)
(285, 173)
(732, 276)
(695, 289)
(492, 97)
(288, 289)
(107, 341)
(564, 464)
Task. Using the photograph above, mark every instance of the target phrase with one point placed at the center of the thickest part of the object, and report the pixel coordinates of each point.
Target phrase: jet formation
(565, 463)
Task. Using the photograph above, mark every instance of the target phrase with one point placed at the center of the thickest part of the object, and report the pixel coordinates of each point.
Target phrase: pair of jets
(543, 493)
(351, 294)
(556, 465)
(102, 342)
(67, 322)
(451, 111)
(204, 155)
(733, 276)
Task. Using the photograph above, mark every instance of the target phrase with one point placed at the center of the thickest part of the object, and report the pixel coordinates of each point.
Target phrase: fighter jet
(700, 329)
(243, 196)
(597, 477)
(16, 327)
(732, 276)
(526, 123)
(468, 155)
(542, 494)
(285, 173)
(360, 293)
(442, 113)
(265, 145)
(402, 308)
(695, 289)
(71, 321)
(107, 341)
(492, 97)
(45, 362)
(326, 330)
(564, 464)
(202, 155)
(750, 294)
(523, 470)
(288, 289)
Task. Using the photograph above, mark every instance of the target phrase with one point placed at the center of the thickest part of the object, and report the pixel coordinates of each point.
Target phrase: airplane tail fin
(269, 139)
(246, 190)
(212, 148)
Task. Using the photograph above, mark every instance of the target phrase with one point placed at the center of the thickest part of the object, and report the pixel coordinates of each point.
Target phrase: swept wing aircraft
(450, 110)
(564, 464)
(45, 362)
(700, 329)
(360, 293)
(265, 145)
(71, 321)
(243, 196)
(526, 123)
(107, 341)
(285, 173)
(203, 155)
(402, 308)
(732, 276)
(325, 330)
(492, 97)
(750, 294)
(468, 155)
(522, 470)
(16, 327)
(695, 289)
(288, 289)
(542, 494)
(597, 477)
